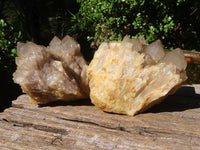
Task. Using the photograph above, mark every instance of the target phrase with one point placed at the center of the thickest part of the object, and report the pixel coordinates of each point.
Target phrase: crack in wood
(57, 140)
(37, 127)
(119, 128)
(51, 129)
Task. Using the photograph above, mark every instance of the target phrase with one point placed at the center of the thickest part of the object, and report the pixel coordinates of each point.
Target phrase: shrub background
(175, 22)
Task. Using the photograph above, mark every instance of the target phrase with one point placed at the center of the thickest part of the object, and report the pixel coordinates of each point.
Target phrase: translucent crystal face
(155, 51)
(56, 72)
(177, 58)
(128, 77)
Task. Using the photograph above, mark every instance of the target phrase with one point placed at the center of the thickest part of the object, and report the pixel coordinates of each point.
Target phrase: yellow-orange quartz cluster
(128, 77)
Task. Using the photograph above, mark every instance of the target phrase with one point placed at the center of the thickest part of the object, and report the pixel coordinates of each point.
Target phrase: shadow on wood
(185, 98)
(81, 102)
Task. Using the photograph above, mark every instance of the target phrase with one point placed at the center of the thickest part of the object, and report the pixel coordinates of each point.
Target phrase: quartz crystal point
(129, 77)
(56, 72)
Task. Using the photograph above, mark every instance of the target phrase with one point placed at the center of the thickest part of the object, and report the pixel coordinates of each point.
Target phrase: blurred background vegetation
(175, 22)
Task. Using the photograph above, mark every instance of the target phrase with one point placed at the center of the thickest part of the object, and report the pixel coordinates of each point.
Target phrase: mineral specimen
(56, 72)
(129, 77)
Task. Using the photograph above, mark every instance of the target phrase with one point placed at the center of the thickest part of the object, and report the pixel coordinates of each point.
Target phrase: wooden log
(192, 57)
(173, 124)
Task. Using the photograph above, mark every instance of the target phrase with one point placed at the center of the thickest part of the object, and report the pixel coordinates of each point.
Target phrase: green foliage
(175, 22)
(39, 20)
(8, 41)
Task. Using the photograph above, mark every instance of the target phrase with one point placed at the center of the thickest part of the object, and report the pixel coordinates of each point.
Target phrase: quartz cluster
(56, 72)
(124, 77)
(129, 77)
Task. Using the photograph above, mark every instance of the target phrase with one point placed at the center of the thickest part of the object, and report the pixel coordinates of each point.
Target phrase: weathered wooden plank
(173, 124)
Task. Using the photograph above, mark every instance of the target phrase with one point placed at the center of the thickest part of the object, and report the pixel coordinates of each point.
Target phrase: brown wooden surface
(173, 124)
(193, 55)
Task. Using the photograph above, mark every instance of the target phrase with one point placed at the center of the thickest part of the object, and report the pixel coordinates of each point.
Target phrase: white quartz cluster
(56, 72)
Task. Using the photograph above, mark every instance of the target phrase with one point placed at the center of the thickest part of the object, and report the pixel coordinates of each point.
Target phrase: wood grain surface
(79, 125)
